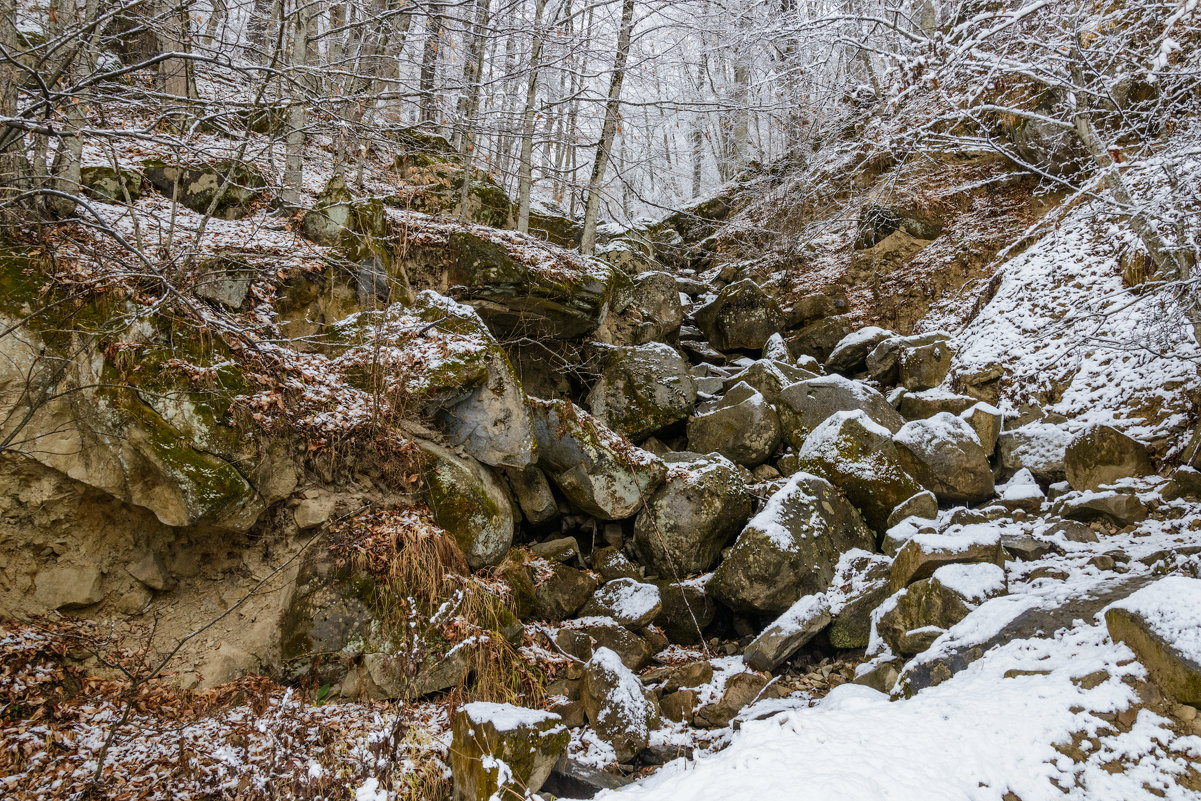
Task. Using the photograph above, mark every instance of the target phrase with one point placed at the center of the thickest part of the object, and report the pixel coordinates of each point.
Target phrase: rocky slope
(389, 451)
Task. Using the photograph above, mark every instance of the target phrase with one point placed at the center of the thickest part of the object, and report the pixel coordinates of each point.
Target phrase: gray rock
(921, 405)
(597, 469)
(985, 420)
(790, 549)
(788, 633)
(744, 428)
(850, 354)
(581, 639)
(643, 389)
(923, 505)
(619, 709)
(698, 510)
(946, 458)
(151, 571)
(769, 377)
(818, 339)
(817, 306)
(860, 585)
(560, 549)
(313, 512)
(613, 564)
(534, 495)
(470, 503)
(1103, 455)
(631, 603)
(741, 689)
(923, 554)
(925, 367)
(1151, 623)
(1119, 508)
(687, 611)
(1038, 447)
(805, 405)
(858, 456)
(936, 603)
(884, 362)
(562, 593)
(742, 316)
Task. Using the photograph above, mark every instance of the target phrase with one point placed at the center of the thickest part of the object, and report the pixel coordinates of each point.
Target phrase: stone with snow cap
(933, 605)
(860, 584)
(923, 505)
(920, 405)
(643, 389)
(1038, 447)
(501, 750)
(597, 469)
(884, 362)
(985, 420)
(582, 636)
(769, 377)
(857, 455)
(1021, 492)
(631, 603)
(776, 349)
(926, 366)
(744, 428)
(850, 354)
(1161, 623)
(788, 633)
(807, 404)
(617, 705)
(924, 553)
(791, 548)
(700, 507)
(946, 458)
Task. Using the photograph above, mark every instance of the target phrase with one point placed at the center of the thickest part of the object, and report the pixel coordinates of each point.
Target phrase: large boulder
(945, 456)
(850, 354)
(920, 405)
(884, 362)
(919, 613)
(1037, 447)
(1102, 455)
(1160, 623)
(470, 502)
(617, 706)
(741, 317)
(985, 420)
(642, 389)
(500, 750)
(819, 339)
(769, 376)
(791, 548)
(597, 469)
(580, 638)
(228, 187)
(805, 405)
(926, 366)
(652, 312)
(688, 609)
(743, 427)
(857, 455)
(860, 585)
(700, 507)
(631, 603)
(561, 591)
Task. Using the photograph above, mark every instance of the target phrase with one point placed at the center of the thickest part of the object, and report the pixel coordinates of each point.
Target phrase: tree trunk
(298, 109)
(469, 102)
(526, 167)
(429, 68)
(608, 129)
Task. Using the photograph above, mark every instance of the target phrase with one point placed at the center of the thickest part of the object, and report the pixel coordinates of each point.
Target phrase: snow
(800, 614)
(370, 791)
(627, 599)
(972, 582)
(977, 736)
(931, 433)
(505, 717)
(1021, 487)
(1171, 609)
(771, 519)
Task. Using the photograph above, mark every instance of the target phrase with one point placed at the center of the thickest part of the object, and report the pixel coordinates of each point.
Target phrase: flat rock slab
(1162, 625)
(788, 633)
(1002, 620)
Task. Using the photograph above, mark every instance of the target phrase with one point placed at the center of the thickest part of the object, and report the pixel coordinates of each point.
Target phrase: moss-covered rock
(858, 456)
(111, 185)
(499, 750)
(742, 316)
(619, 709)
(790, 549)
(946, 458)
(743, 427)
(233, 185)
(643, 389)
(598, 470)
(470, 503)
(689, 519)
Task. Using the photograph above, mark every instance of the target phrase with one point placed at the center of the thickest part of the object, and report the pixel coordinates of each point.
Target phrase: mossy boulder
(690, 519)
(599, 471)
(500, 750)
(688, 609)
(469, 502)
(643, 389)
(946, 458)
(232, 185)
(618, 707)
(858, 456)
(806, 404)
(791, 548)
(916, 615)
(111, 185)
(331, 217)
(743, 427)
(742, 316)
(649, 311)
(517, 299)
